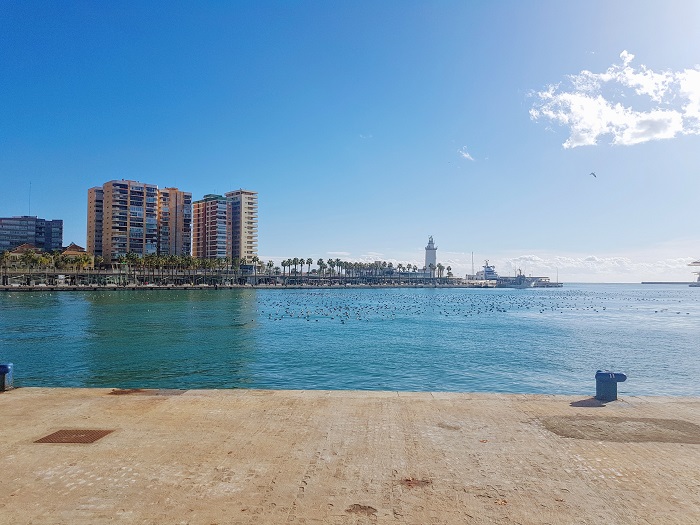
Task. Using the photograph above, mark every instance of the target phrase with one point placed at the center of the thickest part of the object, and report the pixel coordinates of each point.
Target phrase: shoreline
(285, 456)
(90, 288)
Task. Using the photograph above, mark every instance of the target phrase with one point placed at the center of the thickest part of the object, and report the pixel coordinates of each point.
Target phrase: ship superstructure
(488, 277)
(696, 283)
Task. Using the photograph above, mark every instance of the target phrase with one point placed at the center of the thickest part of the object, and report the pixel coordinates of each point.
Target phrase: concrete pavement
(346, 457)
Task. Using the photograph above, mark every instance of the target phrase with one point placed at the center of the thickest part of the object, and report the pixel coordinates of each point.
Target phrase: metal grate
(74, 436)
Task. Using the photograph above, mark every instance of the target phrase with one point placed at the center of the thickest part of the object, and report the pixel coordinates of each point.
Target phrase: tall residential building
(44, 234)
(174, 222)
(226, 226)
(242, 224)
(95, 220)
(209, 239)
(130, 216)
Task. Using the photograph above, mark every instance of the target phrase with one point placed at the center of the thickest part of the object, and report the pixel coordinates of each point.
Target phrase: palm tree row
(55, 261)
(179, 269)
(333, 270)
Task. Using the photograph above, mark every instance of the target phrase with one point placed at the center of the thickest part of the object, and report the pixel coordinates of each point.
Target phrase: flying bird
(593, 173)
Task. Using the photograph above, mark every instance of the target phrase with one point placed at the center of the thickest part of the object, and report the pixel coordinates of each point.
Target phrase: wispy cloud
(604, 267)
(339, 254)
(633, 105)
(366, 135)
(464, 153)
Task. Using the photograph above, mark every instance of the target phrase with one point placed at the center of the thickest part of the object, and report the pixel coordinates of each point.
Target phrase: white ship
(696, 283)
(488, 273)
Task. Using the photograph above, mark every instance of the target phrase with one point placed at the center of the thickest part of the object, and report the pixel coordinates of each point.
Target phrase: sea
(542, 341)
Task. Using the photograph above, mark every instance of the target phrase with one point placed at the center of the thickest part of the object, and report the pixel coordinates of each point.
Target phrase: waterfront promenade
(346, 457)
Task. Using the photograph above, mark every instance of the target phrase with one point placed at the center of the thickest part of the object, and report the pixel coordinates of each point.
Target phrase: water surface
(497, 340)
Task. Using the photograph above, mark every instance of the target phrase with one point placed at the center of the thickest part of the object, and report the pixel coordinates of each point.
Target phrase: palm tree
(121, 261)
(284, 268)
(321, 265)
(236, 263)
(187, 262)
(255, 260)
(149, 264)
(43, 261)
(169, 263)
(131, 260)
(449, 272)
(309, 262)
(4, 259)
(83, 262)
(29, 258)
(261, 266)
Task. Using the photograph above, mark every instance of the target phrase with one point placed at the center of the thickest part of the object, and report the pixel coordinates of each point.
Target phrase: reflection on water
(548, 341)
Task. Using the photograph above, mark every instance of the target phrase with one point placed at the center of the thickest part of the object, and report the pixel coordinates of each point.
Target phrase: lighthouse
(431, 257)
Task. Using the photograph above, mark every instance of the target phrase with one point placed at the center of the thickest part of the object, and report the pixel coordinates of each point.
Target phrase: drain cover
(74, 436)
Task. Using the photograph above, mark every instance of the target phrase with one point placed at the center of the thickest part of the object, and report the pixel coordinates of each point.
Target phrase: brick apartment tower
(174, 222)
(130, 216)
(226, 226)
(209, 239)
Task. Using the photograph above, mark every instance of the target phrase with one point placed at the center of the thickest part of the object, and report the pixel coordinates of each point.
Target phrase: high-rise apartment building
(43, 234)
(242, 224)
(226, 226)
(95, 220)
(130, 216)
(174, 222)
(209, 238)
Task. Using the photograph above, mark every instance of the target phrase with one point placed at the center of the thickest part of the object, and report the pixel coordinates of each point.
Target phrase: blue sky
(368, 126)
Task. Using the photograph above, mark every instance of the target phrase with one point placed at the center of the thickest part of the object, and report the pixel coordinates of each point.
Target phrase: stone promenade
(345, 457)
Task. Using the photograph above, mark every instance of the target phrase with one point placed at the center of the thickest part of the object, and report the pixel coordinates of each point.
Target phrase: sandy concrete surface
(345, 457)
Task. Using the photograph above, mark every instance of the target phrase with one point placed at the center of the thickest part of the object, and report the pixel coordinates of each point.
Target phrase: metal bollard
(5, 376)
(606, 384)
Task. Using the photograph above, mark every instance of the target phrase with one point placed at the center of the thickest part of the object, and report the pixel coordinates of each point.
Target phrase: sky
(368, 126)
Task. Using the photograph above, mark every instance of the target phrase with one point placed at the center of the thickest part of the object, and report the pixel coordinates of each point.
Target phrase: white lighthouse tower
(431, 257)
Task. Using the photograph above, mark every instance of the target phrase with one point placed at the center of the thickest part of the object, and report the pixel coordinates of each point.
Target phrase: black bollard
(606, 384)
(5, 376)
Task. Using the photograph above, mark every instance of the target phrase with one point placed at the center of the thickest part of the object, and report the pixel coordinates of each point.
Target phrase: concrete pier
(345, 457)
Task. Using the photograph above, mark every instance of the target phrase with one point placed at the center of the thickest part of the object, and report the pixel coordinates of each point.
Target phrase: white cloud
(602, 268)
(339, 254)
(632, 105)
(465, 154)
(368, 136)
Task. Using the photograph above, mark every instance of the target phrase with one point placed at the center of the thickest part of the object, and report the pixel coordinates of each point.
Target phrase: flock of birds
(347, 306)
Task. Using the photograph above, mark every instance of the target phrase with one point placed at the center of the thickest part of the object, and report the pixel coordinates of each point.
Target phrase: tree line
(180, 269)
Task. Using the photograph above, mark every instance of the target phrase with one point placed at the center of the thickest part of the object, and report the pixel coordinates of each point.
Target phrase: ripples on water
(502, 340)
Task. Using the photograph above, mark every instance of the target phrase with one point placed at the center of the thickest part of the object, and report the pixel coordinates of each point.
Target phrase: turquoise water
(498, 340)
